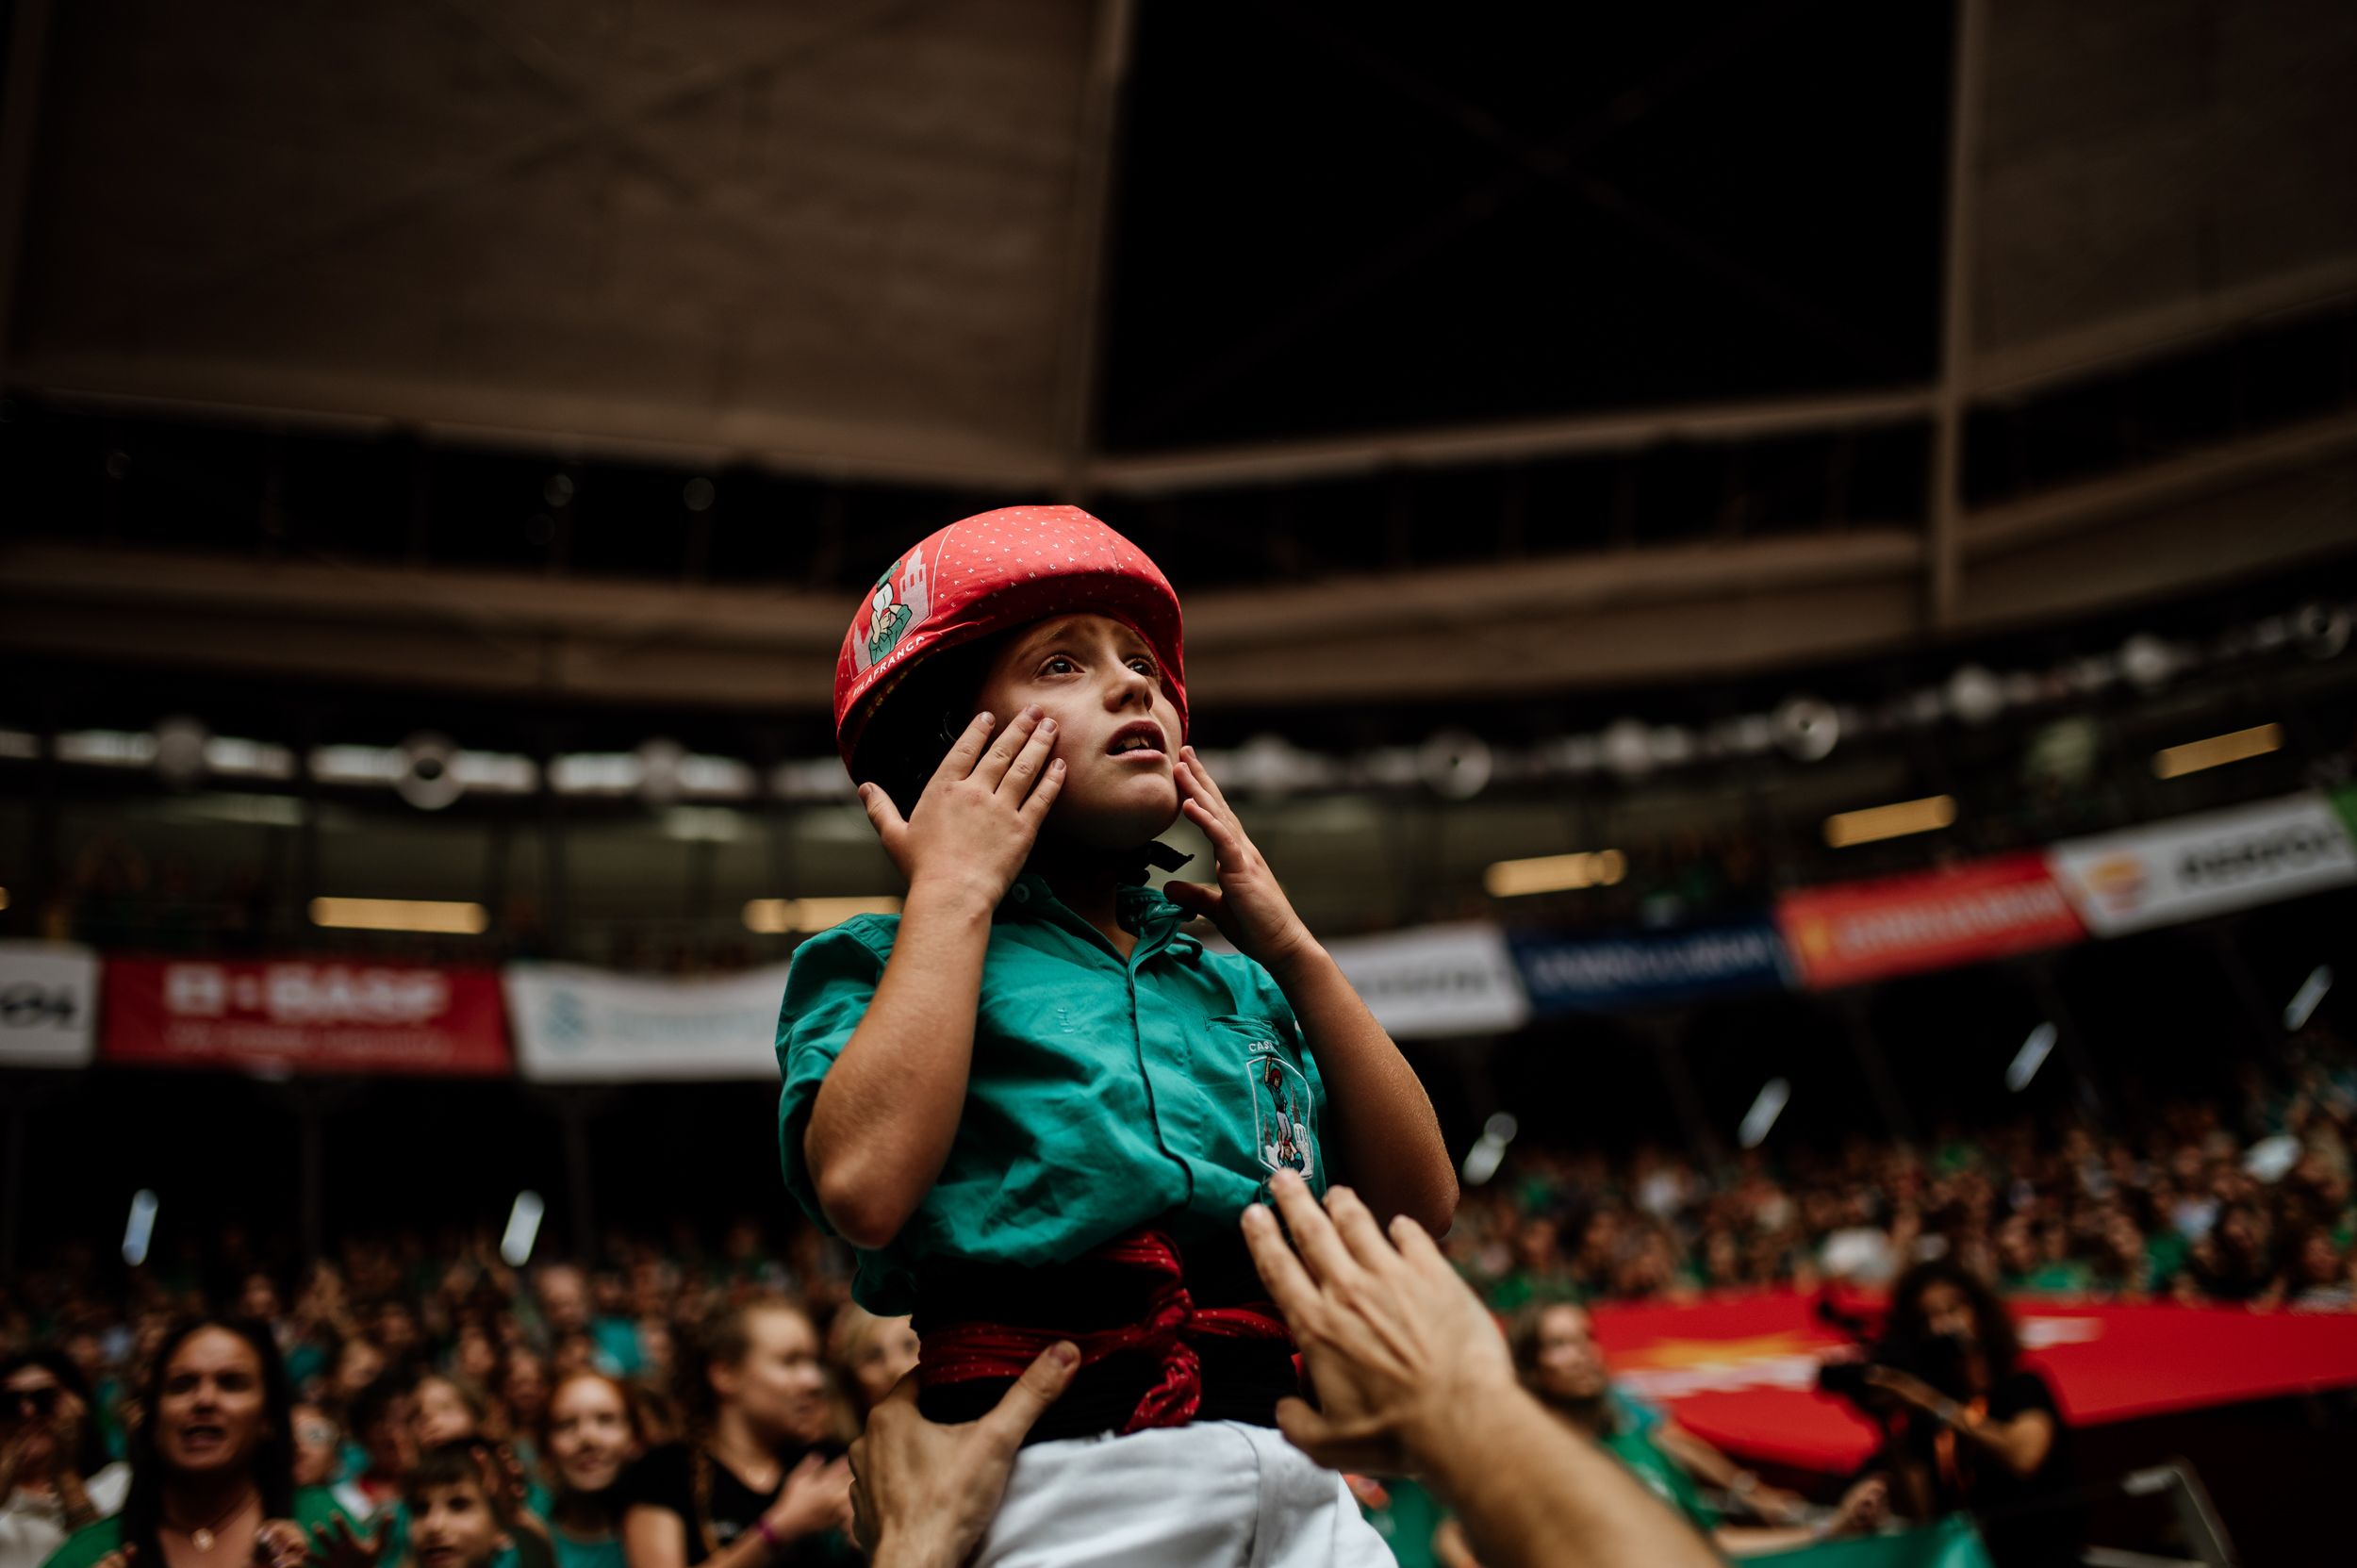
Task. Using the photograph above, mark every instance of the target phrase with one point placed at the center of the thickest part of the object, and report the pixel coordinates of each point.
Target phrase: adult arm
(1705, 1462)
(1384, 1132)
(1413, 1374)
(883, 1119)
(1863, 1507)
(2020, 1442)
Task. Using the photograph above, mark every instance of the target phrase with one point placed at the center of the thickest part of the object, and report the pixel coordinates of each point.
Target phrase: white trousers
(1211, 1495)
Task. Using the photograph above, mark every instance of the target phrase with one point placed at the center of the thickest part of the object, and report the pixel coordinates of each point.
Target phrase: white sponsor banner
(574, 1024)
(2190, 866)
(48, 1005)
(1436, 979)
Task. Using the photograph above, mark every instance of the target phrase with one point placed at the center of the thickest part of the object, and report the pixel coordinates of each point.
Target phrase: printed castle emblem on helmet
(894, 608)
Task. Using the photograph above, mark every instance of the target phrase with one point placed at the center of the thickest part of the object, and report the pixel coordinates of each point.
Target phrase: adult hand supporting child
(925, 1492)
(1414, 1375)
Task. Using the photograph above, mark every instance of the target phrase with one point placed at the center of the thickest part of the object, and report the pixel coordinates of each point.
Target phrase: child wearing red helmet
(1033, 1105)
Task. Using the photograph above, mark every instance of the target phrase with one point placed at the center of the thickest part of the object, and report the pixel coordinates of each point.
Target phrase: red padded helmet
(992, 572)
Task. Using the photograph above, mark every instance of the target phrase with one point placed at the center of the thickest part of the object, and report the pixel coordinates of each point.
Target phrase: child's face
(452, 1527)
(438, 1414)
(1102, 684)
(589, 1436)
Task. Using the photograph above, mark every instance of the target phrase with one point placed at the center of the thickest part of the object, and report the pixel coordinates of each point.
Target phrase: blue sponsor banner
(1603, 974)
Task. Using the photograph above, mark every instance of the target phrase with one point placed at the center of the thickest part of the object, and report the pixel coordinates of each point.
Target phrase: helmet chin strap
(1156, 856)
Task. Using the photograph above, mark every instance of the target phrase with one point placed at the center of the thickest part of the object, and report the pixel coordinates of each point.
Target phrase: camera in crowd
(1937, 1359)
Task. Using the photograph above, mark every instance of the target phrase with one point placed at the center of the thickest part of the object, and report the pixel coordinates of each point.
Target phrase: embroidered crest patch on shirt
(1283, 1113)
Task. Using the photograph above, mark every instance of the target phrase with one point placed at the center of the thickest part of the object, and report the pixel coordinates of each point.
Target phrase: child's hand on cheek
(975, 822)
(1246, 903)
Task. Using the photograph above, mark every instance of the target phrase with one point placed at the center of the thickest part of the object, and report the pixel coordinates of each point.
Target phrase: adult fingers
(1336, 1444)
(1041, 1383)
(992, 766)
(1355, 1224)
(1030, 762)
(1416, 1245)
(1289, 1284)
(1314, 1236)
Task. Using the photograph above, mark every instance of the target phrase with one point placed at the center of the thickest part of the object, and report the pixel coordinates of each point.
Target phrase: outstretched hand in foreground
(1412, 1375)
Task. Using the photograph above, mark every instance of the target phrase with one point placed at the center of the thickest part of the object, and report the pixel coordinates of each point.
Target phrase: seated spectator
(457, 1516)
(752, 1486)
(384, 1437)
(443, 1411)
(1990, 1436)
(524, 1391)
(454, 1502)
(593, 1435)
(874, 1352)
(212, 1462)
(2323, 1279)
(318, 1446)
(55, 1476)
(1559, 1363)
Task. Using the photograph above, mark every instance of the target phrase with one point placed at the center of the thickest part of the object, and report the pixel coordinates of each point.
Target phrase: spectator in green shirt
(1561, 1364)
(212, 1465)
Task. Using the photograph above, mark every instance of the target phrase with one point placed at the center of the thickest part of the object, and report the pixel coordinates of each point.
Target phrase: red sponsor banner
(1742, 1373)
(305, 1016)
(1858, 931)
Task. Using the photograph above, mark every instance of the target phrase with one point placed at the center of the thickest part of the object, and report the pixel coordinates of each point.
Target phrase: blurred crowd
(2249, 1202)
(398, 1347)
(572, 1384)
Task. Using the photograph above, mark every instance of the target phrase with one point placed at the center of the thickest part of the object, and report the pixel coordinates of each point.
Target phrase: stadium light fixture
(2175, 762)
(782, 916)
(432, 917)
(523, 1229)
(1896, 821)
(141, 1228)
(1774, 1096)
(2296, 1013)
(1488, 1150)
(2031, 1057)
(1512, 879)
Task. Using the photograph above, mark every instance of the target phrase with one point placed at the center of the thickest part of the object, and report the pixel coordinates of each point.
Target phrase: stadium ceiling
(1145, 256)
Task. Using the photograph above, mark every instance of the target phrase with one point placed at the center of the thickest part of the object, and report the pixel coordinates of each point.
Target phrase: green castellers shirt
(314, 1506)
(1104, 1094)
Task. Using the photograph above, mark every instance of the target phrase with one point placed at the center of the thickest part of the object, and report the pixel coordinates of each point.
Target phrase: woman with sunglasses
(212, 1462)
(54, 1474)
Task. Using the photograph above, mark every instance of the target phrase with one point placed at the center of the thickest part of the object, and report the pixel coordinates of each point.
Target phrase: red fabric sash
(962, 1352)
